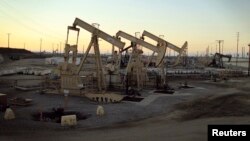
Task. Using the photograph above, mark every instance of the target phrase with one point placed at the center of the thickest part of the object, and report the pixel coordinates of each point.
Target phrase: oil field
(122, 86)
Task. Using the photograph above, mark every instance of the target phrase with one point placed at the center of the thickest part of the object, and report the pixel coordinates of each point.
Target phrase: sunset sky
(200, 22)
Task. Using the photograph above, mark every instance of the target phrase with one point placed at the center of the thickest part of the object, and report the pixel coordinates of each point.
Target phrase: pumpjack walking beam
(163, 42)
(160, 51)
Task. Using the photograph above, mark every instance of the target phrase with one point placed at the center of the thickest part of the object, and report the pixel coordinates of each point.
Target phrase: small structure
(100, 111)
(19, 101)
(9, 114)
(68, 120)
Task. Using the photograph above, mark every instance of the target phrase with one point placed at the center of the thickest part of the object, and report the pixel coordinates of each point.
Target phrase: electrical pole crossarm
(99, 33)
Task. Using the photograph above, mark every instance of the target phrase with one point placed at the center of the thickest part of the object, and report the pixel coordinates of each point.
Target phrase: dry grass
(236, 104)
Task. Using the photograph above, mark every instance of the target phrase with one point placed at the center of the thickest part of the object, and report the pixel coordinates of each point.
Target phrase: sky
(200, 22)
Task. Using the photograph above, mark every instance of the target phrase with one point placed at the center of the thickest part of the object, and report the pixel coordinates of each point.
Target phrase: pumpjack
(72, 82)
(217, 60)
(163, 43)
(135, 69)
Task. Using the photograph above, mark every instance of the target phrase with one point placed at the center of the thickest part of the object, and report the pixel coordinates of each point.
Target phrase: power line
(25, 25)
(30, 19)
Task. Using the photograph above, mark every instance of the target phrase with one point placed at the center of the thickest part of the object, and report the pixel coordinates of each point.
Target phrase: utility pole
(242, 52)
(24, 45)
(211, 49)
(8, 40)
(249, 59)
(220, 41)
(57, 50)
(207, 51)
(53, 49)
(60, 48)
(222, 47)
(41, 40)
(238, 34)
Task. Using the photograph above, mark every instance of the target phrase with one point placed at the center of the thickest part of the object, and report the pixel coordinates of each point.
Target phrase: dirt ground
(181, 116)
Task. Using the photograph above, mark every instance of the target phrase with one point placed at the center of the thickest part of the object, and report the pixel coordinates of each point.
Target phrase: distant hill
(16, 53)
